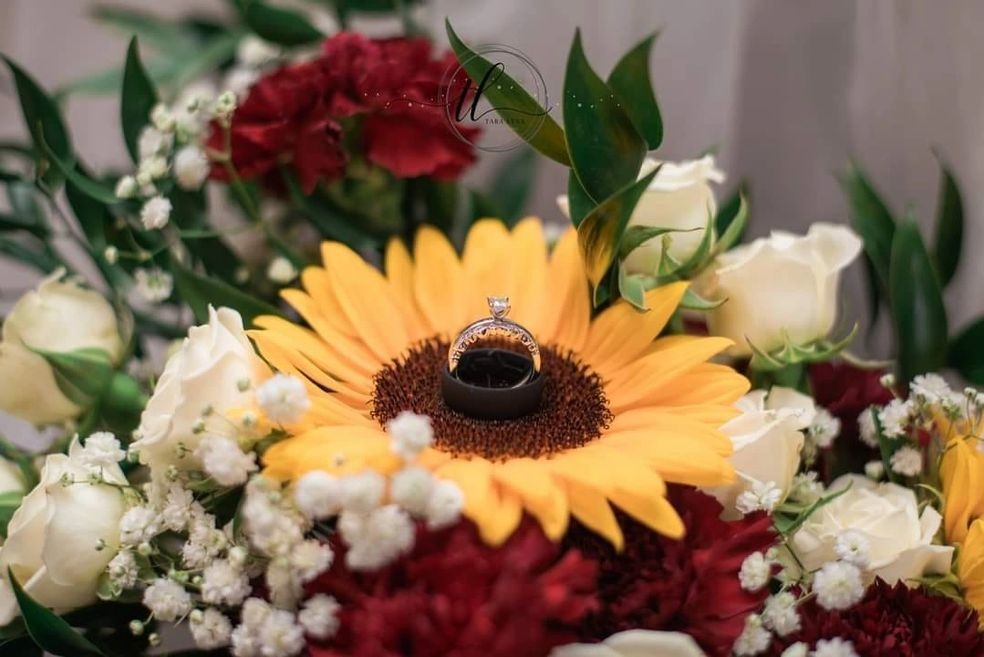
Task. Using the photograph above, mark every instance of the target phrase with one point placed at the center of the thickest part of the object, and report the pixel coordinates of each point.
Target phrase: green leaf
(158, 33)
(693, 301)
(511, 185)
(27, 212)
(632, 83)
(732, 220)
(43, 120)
(599, 235)
(605, 148)
(549, 138)
(579, 203)
(136, 101)
(632, 289)
(48, 630)
(787, 524)
(199, 292)
(636, 236)
(917, 305)
(9, 502)
(82, 375)
(83, 183)
(277, 25)
(949, 227)
(966, 355)
(189, 214)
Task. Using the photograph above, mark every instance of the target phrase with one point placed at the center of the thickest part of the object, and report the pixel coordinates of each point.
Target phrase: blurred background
(785, 93)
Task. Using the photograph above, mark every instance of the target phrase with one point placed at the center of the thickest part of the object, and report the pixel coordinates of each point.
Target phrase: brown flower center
(573, 410)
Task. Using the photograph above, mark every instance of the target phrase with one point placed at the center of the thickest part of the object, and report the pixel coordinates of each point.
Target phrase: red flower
(397, 86)
(690, 585)
(454, 595)
(845, 391)
(893, 622)
(285, 120)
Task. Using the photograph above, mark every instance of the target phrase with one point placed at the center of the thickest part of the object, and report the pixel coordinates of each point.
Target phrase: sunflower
(623, 412)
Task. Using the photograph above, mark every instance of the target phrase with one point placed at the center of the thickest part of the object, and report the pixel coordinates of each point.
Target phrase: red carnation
(398, 88)
(893, 621)
(454, 595)
(846, 390)
(285, 120)
(690, 585)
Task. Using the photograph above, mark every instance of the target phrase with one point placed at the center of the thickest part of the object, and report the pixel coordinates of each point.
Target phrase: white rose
(887, 515)
(214, 371)
(679, 197)
(634, 643)
(59, 316)
(767, 439)
(63, 535)
(781, 285)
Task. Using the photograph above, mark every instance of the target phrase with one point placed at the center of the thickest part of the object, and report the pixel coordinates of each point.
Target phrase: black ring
(499, 385)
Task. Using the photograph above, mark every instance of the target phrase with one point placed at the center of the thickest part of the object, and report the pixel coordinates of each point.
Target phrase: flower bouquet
(307, 393)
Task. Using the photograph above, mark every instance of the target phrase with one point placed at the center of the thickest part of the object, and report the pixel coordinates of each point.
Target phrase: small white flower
(102, 450)
(204, 540)
(838, 585)
(167, 600)
(111, 254)
(807, 488)
(853, 547)
(411, 488)
(138, 525)
(384, 534)
(318, 495)
(126, 187)
(210, 629)
(283, 398)
(319, 616)
(177, 508)
(444, 505)
(191, 167)
(224, 583)
(155, 213)
(866, 428)
(410, 434)
(279, 635)
(310, 558)
(123, 570)
(907, 461)
(281, 270)
(763, 496)
(895, 418)
(154, 285)
(874, 470)
(836, 647)
(161, 118)
(780, 613)
(887, 380)
(824, 429)
(755, 573)
(754, 638)
(363, 492)
(255, 52)
(153, 142)
(151, 169)
(930, 388)
(798, 649)
(225, 105)
(223, 460)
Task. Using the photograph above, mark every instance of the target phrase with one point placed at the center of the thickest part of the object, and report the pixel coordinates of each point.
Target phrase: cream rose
(11, 478)
(887, 515)
(634, 643)
(63, 535)
(678, 197)
(59, 316)
(767, 439)
(778, 286)
(214, 371)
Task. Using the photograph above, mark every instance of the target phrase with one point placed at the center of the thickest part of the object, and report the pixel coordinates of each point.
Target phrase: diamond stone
(499, 306)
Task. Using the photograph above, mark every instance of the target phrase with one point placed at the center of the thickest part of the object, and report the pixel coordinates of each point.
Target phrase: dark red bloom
(454, 595)
(846, 390)
(285, 120)
(398, 89)
(893, 621)
(690, 585)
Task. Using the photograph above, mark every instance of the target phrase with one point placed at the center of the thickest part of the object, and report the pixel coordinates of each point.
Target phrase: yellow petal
(474, 478)
(528, 261)
(486, 252)
(665, 419)
(593, 511)
(541, 495)
(653, 511)
(706, 384)
(501, 520)
(680, 461)
(439, 284)
(339, 450)
(620, 333)
(399, 274)
(567, 309)
(317, 283)
(291, 361)
(366, 299)
(963, 486)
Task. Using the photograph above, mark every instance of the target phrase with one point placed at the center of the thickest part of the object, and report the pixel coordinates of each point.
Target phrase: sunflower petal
(317, 283)
(339, 450)
(653, 511)
(399, 273)
(541, 495)
(682, 462)
(439, 283)
(528, 259)
(567, 309)
(593, 511)
(487, 249)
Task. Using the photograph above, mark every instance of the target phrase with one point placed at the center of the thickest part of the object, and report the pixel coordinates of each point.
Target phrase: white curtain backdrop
(786, 93)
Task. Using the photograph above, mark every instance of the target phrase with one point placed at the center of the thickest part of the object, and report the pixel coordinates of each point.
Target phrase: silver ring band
(495, 326)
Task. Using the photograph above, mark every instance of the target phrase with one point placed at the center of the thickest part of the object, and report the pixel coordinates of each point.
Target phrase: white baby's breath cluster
(254, 57)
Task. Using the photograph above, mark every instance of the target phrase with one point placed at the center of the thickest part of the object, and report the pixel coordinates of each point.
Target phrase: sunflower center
(573, 409)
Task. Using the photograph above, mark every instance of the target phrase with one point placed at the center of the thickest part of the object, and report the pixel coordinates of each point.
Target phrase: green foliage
(278, 25)
(137, 99)
(788, 517)
(791, 354)
(49, 631)
(200, 292)
(949, 227)
(638, 100)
